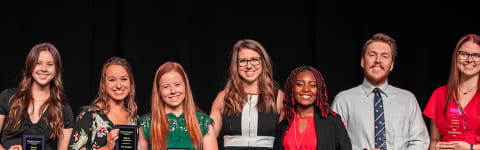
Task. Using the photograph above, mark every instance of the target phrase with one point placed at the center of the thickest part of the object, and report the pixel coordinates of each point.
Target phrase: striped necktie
(379, 121)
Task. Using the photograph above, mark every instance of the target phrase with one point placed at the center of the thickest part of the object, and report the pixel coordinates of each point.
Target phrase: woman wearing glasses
(247, 111)
(452, 109)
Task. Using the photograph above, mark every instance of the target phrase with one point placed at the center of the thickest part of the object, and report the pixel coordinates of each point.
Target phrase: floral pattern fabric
(91, 130)
(179, 137)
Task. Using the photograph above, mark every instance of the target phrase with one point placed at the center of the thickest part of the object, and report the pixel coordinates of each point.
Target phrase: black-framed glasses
(464, 55)
(253, 61)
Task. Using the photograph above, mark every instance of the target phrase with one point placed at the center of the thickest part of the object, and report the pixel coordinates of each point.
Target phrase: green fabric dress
(178, 135)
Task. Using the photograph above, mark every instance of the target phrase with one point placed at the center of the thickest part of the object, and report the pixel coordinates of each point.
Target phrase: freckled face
(172, 89)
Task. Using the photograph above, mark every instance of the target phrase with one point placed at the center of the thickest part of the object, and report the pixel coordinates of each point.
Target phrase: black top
(232, 125)
(27, 127)
(331, 133)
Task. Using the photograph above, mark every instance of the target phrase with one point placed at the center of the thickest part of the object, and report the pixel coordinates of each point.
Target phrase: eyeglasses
(253, 61)
(464, 55)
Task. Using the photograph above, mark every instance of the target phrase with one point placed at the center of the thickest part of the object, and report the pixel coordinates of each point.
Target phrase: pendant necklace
(466, 92)
(295, 132)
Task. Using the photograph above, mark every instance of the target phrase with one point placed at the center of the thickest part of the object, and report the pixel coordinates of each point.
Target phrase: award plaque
(33, 142)
(127, 137)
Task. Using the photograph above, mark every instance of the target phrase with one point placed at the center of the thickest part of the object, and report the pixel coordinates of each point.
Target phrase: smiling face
(377, 63)
(306, 89)
(172, 89)
(44, 70)
(253, 67)
(117, 82)
(467, 65)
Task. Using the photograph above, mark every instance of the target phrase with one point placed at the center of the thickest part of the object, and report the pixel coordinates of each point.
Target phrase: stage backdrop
(328, 35)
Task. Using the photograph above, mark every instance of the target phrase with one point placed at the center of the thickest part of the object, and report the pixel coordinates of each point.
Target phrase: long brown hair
(22, 98)
(321, 100)
(101, 101)
(235, 96)
(454, 78)
(159, 131)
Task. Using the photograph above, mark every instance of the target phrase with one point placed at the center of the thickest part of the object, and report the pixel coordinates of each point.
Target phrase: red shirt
(454, 125)
(306, 140)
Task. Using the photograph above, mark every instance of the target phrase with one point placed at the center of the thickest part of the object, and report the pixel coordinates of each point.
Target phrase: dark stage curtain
(328, 35)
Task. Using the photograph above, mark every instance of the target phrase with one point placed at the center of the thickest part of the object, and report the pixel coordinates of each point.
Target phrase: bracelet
(471, 146)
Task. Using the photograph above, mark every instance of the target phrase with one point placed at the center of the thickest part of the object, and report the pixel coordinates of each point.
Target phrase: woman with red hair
(174, 123)
(453, 108)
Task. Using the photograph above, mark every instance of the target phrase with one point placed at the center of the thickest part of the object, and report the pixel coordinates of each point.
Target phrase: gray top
(404, 124)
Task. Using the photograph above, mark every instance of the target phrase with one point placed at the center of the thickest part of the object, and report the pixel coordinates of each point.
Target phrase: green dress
(178, 133)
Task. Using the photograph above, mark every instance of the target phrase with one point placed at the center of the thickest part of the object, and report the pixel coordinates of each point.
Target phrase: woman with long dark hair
(38, 106)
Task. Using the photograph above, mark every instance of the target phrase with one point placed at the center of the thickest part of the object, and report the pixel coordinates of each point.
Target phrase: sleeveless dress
(251, 130)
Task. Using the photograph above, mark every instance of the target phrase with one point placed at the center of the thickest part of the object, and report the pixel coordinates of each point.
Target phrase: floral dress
(179, 137)
(91, 130)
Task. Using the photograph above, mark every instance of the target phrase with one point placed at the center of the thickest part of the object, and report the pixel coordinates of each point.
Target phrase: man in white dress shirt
(379, 115)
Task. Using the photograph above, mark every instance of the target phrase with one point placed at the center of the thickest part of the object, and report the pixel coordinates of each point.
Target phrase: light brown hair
(235, 96)
(101, 101)
(380, 37)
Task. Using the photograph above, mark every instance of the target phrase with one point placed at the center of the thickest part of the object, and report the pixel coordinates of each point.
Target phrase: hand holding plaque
(127, 137)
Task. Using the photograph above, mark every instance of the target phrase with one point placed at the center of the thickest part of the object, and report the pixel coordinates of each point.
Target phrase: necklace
(465, 91)
(295, 132)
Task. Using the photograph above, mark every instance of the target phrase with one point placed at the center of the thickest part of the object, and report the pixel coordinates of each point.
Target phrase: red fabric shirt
(306, 140)
(454, 125)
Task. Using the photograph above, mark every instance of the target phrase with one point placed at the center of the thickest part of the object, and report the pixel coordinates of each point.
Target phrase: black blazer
(331, 133)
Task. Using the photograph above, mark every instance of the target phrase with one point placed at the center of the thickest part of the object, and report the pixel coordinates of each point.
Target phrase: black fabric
(86, 122)
(232, 125)
(27, 127)
(331, 133)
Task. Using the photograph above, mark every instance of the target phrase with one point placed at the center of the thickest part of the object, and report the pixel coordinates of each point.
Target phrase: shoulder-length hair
(101, 101)
(321, 100)
(22, 98)
(454, 78)
(160, 129)
(235, 96)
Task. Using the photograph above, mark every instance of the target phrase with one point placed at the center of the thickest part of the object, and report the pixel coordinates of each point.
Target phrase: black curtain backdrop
(328, 35)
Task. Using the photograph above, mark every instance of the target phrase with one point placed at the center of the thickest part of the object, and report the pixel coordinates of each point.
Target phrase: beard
(374, 80)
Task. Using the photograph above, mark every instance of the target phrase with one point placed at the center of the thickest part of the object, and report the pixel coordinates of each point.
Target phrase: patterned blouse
(178, 135)
(91, 130)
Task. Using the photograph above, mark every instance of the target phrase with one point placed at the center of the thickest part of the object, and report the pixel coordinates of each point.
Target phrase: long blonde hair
(159, 127)
(235, 96)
